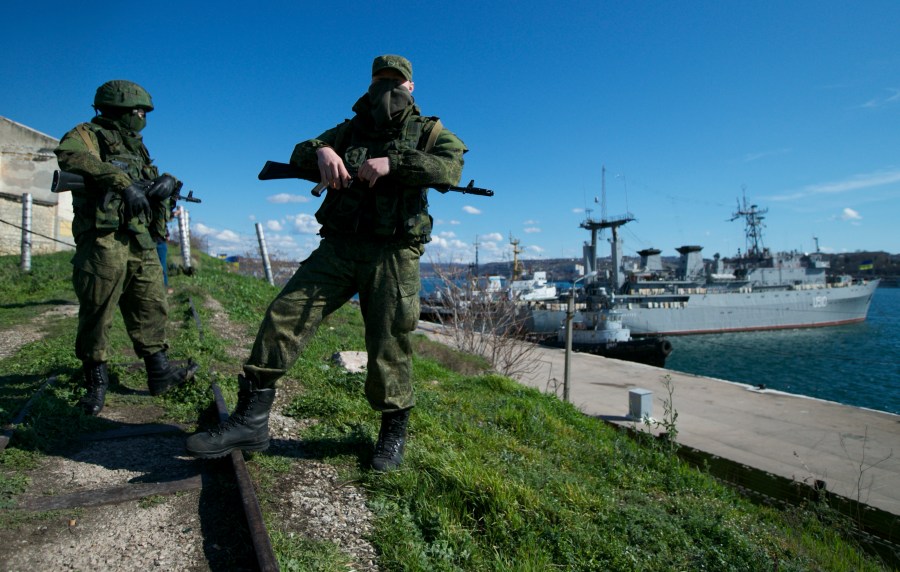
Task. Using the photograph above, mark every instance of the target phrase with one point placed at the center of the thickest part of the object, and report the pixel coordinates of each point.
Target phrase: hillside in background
(883, 264)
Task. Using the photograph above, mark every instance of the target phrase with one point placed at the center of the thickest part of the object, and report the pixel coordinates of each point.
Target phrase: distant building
(27, 163)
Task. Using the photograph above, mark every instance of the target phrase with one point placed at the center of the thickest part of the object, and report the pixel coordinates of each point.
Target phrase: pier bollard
(640, 404)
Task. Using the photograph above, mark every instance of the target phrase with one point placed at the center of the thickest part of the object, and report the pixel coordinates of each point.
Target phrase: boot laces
(236, 418)
(391, 439)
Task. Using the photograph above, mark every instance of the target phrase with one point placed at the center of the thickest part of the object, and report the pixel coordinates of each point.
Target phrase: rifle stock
(275, 170)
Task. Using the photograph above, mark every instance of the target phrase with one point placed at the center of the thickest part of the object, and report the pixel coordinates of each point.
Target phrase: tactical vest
(387, 211)
(106, 211)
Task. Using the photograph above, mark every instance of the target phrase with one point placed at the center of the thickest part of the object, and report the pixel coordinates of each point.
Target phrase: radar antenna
(753, 219)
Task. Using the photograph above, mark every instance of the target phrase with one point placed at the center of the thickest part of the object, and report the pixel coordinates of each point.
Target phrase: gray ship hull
(717, 312)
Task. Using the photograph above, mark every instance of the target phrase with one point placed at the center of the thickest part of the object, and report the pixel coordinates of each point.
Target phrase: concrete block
(640, 403)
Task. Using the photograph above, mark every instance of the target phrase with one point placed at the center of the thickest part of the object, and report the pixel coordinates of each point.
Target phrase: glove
(136, 202)
(163, 187)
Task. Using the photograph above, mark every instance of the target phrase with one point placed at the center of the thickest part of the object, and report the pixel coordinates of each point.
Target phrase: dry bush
(483, 323)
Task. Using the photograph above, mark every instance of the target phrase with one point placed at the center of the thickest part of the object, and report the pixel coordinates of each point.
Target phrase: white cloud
(448, 244)
(471, 210)
(201, 228)
(850, 214)
(282, 198)
(853, 183)
(532, 229)
(492, 247)
(454, 222)
(535, 249)
(228, 236)
(530, 222)
(447, 234)
(305, 223)
(274, 225)
(495, 236)
(750, 157)
(577, 210)
(880, 101)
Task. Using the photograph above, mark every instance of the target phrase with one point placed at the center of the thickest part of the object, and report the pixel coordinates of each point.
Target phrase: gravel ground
(169, 533)
(163, 535)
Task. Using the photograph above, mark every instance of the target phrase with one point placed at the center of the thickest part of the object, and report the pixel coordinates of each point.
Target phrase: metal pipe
(570, 316)
(26, 232)
(184, 235)
(264, 253)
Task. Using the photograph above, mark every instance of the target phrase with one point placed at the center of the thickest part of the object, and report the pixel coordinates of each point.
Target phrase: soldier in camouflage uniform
(375, 223)
(124, 206)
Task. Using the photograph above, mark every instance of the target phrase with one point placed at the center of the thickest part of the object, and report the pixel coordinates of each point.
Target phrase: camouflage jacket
(396, 208)
(110, 159)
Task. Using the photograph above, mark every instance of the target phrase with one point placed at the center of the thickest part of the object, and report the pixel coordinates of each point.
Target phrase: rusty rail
(262, 545)
(10, 429)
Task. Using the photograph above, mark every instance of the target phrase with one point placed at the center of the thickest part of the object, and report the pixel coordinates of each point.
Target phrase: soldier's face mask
(134, 120)
(388, 98)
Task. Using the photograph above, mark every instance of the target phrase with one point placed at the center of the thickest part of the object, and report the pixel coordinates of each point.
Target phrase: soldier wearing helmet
(123, 209)
(375, 223)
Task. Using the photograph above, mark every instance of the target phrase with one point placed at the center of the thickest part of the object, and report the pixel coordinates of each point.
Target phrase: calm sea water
(857, 364)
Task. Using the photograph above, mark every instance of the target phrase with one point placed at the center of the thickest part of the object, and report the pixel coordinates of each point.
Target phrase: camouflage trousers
(111, 271)
(386, 277)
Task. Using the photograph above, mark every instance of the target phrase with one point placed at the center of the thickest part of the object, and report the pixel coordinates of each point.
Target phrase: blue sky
(688, 105)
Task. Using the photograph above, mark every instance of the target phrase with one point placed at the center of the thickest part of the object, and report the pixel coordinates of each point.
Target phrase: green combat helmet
(122, 93)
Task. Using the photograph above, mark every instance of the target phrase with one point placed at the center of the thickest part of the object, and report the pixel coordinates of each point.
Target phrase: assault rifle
(66, 181)
(275, 170)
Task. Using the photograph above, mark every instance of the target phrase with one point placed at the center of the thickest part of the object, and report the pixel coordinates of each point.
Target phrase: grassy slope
(497, 476)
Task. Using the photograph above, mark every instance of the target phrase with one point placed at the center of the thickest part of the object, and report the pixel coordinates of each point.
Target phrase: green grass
(497, 476)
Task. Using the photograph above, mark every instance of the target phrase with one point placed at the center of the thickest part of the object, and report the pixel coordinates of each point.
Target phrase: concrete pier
(855, 452)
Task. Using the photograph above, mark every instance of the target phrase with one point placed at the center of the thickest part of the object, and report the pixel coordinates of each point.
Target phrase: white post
(264, 253)
(570, 315)
(184, 235)
(26, 232)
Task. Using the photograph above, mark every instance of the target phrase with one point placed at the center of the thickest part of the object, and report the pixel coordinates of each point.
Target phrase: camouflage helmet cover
(122, 93)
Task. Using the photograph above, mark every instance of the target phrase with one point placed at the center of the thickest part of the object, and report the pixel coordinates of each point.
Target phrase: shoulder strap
(432, 137)
(82, 131)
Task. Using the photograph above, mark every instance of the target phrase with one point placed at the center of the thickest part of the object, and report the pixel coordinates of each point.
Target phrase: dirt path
(182, 531)
(12, 339)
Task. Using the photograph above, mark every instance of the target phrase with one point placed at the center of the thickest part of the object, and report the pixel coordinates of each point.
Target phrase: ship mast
(753, 218)
(517, 268)
(474, 266)
(612, 223)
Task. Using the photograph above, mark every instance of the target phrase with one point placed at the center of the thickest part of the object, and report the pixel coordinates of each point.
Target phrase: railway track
(200, 476)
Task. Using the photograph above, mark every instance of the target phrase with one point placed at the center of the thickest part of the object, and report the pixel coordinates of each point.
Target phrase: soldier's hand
(332, 169)
(373, 169)
(136, 202)
(163, 187)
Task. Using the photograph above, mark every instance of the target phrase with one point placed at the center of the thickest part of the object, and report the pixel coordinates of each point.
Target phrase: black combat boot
(162, 376)
(391, 441)
(96, 380)
(247, 428)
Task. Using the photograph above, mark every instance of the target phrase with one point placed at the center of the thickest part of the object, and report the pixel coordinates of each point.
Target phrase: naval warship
(755, 290)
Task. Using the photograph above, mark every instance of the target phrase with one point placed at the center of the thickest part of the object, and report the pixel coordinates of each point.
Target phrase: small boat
(536, 289)
(601, 332)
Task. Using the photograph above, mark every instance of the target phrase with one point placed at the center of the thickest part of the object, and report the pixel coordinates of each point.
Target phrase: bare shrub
(482, 322)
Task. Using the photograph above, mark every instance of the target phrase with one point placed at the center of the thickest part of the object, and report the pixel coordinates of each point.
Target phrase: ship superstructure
(755, 290)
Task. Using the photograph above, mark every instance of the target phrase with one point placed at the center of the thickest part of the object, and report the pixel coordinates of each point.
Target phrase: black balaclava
(388, 99)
